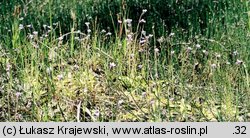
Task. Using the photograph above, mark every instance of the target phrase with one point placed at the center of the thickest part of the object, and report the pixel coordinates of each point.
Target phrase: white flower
(20, 27)
(109, 34)
(144, 11)
(198, 46)
(157, 50)
(171, 34)
(142, 21)
(172, 52)
(128, 21)
(35, 33)
(235, 53)
(60, 77)
(112, 65)
(60, 38)
(213, 66)
(119, 21)
(89, 31)
(239, 62)
(189, 49)
(87, 24)
(103, 31)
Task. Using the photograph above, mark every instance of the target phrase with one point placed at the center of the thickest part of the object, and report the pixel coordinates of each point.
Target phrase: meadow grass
(60, 61)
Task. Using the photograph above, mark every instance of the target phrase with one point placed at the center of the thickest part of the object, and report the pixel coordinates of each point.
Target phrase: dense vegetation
(124, 60)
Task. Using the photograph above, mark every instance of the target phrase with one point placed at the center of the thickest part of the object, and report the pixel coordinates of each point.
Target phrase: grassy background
(188, 62)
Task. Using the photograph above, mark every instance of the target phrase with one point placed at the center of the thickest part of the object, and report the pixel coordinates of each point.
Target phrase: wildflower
(239, 62)
(31, 36)
(143, 42)
(87, 24)
(96, 113)
(44, 26)
(144, 94)
(152, 102)
(235, 53)
(112, 65)
(119, 21)
(144, 11)
(103, 31)
(89, 31)
(150, 35)
(78, 31)
(120, 102)
(128, 21)
(29, 26)
(49, 70)
(171, 34)
(213, 66)
(217, 55)
(172, 52)
(18, 94)
(60, 77)
(60, 38)
(35, 33)
(8, 67)
(20, 27)
(157, 50)
(140, 66)
(21, 18)
(143, 32)
(198, 46)
(109, 34)
(205, 52)
(142, 21)
(160, 40)
(189, 49)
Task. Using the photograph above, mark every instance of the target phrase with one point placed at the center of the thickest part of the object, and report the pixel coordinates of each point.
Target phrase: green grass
(189, 67)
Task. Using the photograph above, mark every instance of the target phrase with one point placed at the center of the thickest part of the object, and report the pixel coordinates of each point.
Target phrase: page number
(240, 130)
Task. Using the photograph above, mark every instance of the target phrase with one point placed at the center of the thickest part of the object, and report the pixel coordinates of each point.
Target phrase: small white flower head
(60, 76)
(85, 90)
(217, 55)
(35, 33)
(152, 102)
(140, 66)
(29, 26)
(157, 50)
(143, 41)
(119, 21)
(60, 38)
(87, 24)
(89, 31)
(109, 34)
(18, 94)
(120, 102)
(161, 39)
(78, 31)
(142, 21)
(239, 62)
(189, 49)
(172, 52)
(228, 63)
(44, 26)
(144, 11)
(235, 53)
(96, 113)
(112, 65)
(213, 66)
(20, 27)
(144, 94)
(198, 46)
(31, 36)
(171, 34)
(205, 52)
(8, 67)
(150, 35)
(49, 70)
(143, 32)
(128, 21)
(103, 31)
